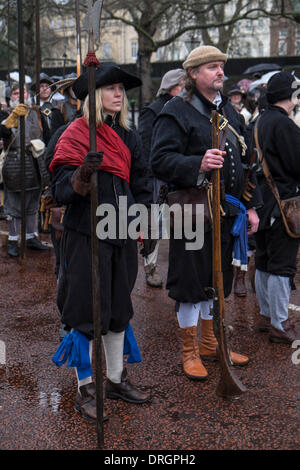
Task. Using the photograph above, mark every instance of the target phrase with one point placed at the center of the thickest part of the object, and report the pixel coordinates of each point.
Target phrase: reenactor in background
(50, 117)
(171, 84)
(36, 176)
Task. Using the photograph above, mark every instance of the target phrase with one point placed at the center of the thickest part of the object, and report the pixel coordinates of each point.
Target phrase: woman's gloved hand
(81, 179)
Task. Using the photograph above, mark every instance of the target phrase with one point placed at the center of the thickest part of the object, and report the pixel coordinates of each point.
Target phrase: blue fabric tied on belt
(239, 231)
(75, 348)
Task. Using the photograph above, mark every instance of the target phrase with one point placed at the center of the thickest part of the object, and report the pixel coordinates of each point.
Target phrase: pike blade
(88, 20)
(97, 9)
(92, 20)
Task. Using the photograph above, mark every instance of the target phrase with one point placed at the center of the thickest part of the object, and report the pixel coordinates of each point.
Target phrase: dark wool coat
(146, 120)
(279, 139)
(180, 139)
(118, 258)
(145, 127)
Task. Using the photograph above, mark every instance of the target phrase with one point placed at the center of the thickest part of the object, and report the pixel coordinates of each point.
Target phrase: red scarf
(74, 144)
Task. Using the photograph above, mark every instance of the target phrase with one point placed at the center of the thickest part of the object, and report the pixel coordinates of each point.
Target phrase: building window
(261, 49)
(249, 25)
(248, 49)
(282, 47)
(176, 54)
(134, 50)
(297, 47)
(283, 33)
(260, 24)
(107, 50)
(298, 31)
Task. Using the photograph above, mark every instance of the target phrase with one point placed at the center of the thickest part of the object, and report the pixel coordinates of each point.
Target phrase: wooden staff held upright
(91, 62)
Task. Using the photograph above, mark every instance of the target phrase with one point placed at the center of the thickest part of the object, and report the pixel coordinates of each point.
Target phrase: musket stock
(229, 385)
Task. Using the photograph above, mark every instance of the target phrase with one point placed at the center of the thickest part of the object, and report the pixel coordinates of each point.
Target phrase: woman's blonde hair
(100, 112)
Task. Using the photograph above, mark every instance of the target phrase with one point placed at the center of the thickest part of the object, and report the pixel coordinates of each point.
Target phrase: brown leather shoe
(85, 403)
(288, 336)
(191, 362)
(125, 390)
(208, 346)
(239, 283)
(264, 324)
(153, 279)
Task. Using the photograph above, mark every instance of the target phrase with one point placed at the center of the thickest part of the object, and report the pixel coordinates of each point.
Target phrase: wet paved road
(36, 397)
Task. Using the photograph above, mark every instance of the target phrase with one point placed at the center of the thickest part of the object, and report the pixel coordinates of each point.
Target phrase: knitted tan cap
(202, 55)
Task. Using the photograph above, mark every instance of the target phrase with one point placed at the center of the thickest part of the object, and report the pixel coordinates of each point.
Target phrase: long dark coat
(118, 258)
(180, 139)
(279, 139)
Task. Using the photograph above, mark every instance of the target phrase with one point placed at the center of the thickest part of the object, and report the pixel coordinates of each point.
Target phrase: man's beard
(15, 103)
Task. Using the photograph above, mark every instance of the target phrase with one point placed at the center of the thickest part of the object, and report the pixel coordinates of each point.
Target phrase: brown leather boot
(239, 283)
(288, 336)
(192, 365)
(208, 345)
(153, 278)
(85, 403)
(125, 390)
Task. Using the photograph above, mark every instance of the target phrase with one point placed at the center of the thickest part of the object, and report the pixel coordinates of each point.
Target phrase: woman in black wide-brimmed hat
(123, 172)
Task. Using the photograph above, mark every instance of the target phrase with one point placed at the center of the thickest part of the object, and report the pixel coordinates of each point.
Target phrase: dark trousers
(276, 252)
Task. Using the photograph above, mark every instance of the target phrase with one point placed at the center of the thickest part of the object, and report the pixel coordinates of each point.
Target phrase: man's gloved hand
(13, 118)
(81, 179)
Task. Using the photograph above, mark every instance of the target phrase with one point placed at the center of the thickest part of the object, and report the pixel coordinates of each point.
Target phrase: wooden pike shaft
(78, 43)
(22, 126)
(96, 281)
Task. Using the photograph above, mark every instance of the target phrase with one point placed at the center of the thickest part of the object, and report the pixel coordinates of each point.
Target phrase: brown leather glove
(81, 179)
(13, 118)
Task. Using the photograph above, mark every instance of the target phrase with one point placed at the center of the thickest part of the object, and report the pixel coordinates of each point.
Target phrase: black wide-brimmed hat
(107, 73)
(236, 89)
(44, 78)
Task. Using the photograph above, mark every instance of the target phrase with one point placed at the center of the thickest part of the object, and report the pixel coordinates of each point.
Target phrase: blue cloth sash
(75, 348)
(239, 231)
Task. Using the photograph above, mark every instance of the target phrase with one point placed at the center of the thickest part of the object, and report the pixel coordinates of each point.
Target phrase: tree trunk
(145, 75)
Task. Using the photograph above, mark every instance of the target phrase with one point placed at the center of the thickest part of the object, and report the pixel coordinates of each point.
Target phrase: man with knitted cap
(276, 251)
(182, 155)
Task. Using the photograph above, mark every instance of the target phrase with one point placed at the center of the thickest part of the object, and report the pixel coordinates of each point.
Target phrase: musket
(91, 63)
(229, 385)
(22, 127)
